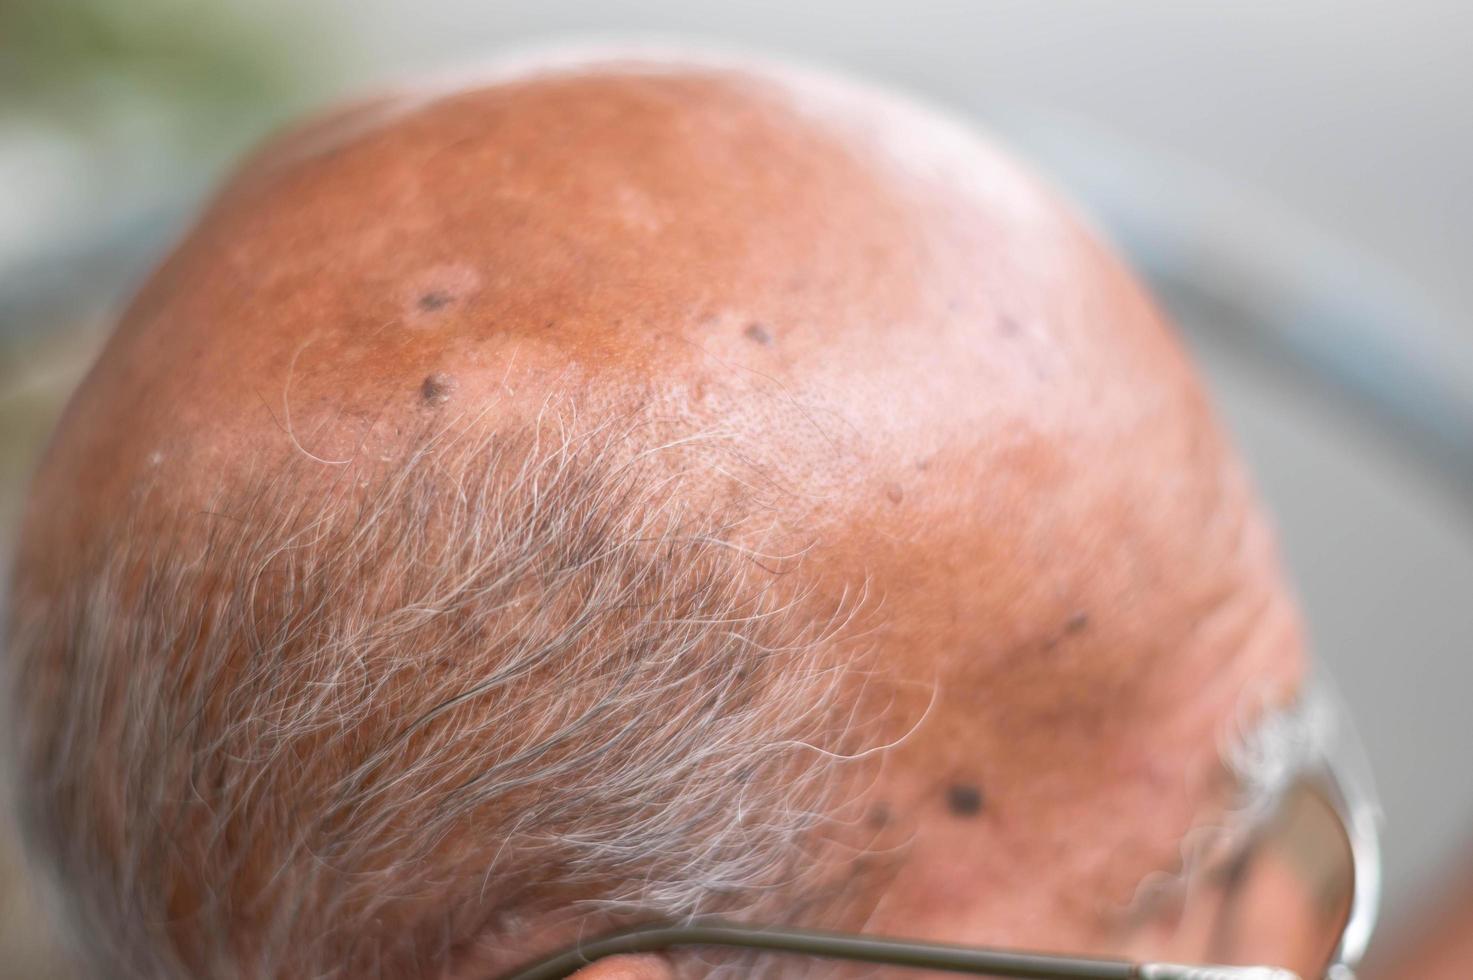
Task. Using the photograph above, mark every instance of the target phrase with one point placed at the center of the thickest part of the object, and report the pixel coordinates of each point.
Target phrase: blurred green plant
(221, 69)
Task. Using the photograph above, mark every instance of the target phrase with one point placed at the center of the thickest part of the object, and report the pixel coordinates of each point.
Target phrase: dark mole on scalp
(759, 334)
(964, 800)
(434, 300)
(436, 389)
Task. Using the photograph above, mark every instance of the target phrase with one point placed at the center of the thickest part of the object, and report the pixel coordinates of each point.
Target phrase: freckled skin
(971, 412)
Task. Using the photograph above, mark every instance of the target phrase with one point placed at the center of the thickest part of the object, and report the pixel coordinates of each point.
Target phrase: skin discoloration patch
(893, 493)
(758, 334)
(964, 799)
(638, 210)
(437, 291)
(878, 816)
(436, 389)
(1076, 624)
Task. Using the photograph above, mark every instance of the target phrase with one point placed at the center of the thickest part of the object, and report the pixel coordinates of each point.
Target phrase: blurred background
(1291, 175)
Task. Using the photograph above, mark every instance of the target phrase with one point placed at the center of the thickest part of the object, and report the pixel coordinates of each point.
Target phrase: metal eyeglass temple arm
(892, 952)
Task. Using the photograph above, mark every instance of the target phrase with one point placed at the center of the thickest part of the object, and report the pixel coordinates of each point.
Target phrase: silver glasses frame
(1354, 798)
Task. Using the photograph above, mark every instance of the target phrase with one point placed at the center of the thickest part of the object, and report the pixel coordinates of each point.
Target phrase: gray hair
(1264, 747)
(346, 733)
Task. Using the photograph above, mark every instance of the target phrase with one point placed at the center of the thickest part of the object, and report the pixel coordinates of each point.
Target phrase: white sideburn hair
(1264, 749)
(344, 734)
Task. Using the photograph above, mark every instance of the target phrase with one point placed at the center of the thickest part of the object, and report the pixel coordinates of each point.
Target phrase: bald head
(630, 489)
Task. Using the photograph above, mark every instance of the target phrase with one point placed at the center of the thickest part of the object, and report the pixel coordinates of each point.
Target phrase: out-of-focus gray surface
(1383, 560)
(1356, 115)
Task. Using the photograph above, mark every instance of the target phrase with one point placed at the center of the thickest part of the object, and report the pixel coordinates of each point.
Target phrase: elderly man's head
(627, 492)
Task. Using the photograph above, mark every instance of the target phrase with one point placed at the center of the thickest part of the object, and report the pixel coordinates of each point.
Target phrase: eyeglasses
(1302, 892)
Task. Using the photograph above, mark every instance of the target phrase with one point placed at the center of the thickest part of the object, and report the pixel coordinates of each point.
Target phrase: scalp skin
(939, 384)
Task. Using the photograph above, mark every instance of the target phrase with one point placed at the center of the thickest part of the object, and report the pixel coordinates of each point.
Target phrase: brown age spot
(1077, 623)
(430, 291)
(436, 389)
(758, 334)
(964, 799)
(893, 493)
(878, 815)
